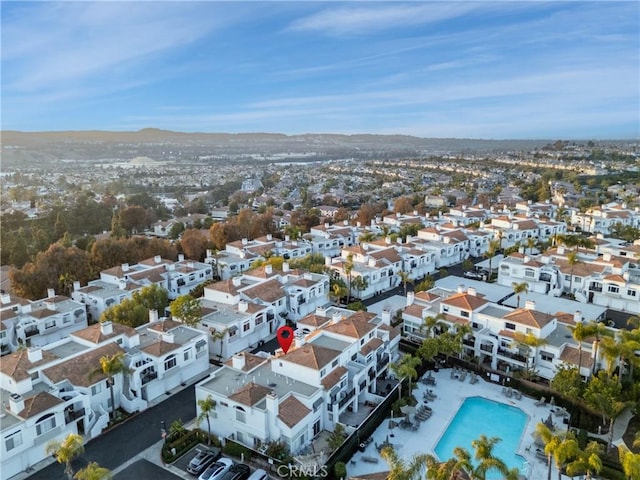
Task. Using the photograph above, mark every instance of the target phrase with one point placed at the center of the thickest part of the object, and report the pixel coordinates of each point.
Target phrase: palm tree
(432, 324)
(218, 335)
(406, 278)
(93, 471)
(406, 367)
(588, 461)
(66, 451)
(531, 242)
(110, 366)
(207, 406)
(399, 469)
(599, 332)
(572, 260)
(494, 246)
(338, 290)
(360, 284)
(611, 352)
(580, 333)
(348, 270)
(551, 442)
(520, 288)
(630, 462)
(486, 461)
(528, 342)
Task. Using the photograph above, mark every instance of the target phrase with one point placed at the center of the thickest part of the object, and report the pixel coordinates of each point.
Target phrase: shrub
(234, 449)
(340, 469)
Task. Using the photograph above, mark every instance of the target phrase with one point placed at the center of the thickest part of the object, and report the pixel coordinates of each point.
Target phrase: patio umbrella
(408, 409)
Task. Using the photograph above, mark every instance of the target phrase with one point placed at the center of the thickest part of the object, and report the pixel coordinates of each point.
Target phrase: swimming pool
(477, 416)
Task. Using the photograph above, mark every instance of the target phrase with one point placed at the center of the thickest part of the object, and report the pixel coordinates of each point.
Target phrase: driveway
(112, 449)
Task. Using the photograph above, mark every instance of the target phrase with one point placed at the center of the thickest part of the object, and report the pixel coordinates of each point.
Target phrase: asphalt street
(113, 448)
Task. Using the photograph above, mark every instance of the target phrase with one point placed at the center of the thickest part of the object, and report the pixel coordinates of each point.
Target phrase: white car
(216, 470)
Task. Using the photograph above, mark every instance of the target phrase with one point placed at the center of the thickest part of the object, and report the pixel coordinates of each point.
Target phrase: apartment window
(323, 372)
(259, 319)
(246, 326)
(632, 293)
(334, 363)
(546, 356)
(613, 289)
(354, 356)
(241, 416)
(362, 341)
(464, 313)
(13, 440)
(509, 326)
(170, 362)
(66, 318)
(45, 424)
(529, 273)
(96, 389)
(187, 355)
(49, 324)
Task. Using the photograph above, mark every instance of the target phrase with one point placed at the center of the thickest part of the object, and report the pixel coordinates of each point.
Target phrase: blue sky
(506, 69)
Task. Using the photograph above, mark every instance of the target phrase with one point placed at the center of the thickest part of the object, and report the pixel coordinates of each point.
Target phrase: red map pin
(285, 337)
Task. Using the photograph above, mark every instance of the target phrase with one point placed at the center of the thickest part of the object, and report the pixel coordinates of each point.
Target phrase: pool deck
(450, 395)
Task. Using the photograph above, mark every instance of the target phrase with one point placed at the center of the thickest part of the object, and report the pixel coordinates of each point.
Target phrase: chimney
(285, 267)
(577, 317)
(606, 256)
(326, 225)
(411, 296)
(16, 403)
(520, 249)
(359, 224)
(106, 328)
(345, 222)
(243, 306)
(387, 240)
(321, 311)
(272, 402)
(181, 257)
(51, 293)
(268, 269)
(122, 284)
(561, 250)
(153, 316)
(168, 337)
(237, 281)
(287, 238)
(386, 316)
(157, 259)
(472, 291)
(245, 241)
(327, 261)
(6, 298)
(460, 289)
(335, 318)
(238, 361)
(34, 354)
(409, 238)
(125, 267)
(269, 237)
(209, 253)
(529, 305)
(300, 341)
(76, 286)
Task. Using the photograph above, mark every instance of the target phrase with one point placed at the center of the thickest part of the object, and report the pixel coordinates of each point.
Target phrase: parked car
(216, 470)
(239, 471)
(259, 474)
(201, 460)
(474, 274)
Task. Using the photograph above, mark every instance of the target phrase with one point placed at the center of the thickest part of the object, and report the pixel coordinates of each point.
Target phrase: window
(613, 289)
(45, 424)
(334, 363)
(49, 324)
(362, 341)
(170, 362)
(529, 273)
(241, 416)
(509, 326)
(96, 389)
(546, 356)
(464, 313)
(246, 326)
(13, 440)
(323, 372)
(187, 355)
(632, 293)
(259, 319)
(66, 318)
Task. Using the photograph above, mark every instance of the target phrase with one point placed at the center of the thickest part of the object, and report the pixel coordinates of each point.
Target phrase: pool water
(477, 416)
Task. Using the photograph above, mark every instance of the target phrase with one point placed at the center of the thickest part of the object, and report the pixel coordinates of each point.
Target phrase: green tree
(492, 249)
(128, 312)
(218, 336)
(399, 469)
(207, 406)
(604, 394)
(187, 309)
(528, 343)
(572, 260)
(93, 471)
(66, 451)
(426, 284)
(337, 437)
(567, 381)
(406, 367)
(405, 277)
(433, 325)
(519, 289)
(587, 461)
(630, 463)
(110, 366)
(152, 297)
(559, 447)
(580, 332)
(360, 284)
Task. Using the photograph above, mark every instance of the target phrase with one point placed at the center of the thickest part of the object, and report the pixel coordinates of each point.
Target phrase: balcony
(31, 331)
(147, 377)
(513, 356)
(73, 415)
(469, 343)
(486, 348)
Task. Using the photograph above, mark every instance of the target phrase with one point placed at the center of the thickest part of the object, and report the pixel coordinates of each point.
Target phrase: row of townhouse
(601, 219)
(243, 311)
(608, 275)
(291, 398)
(117, 283)
(25, 323)
(494, 327)
(51, 391)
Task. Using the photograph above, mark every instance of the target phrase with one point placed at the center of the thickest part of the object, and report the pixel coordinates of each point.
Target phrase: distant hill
(23, 148)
